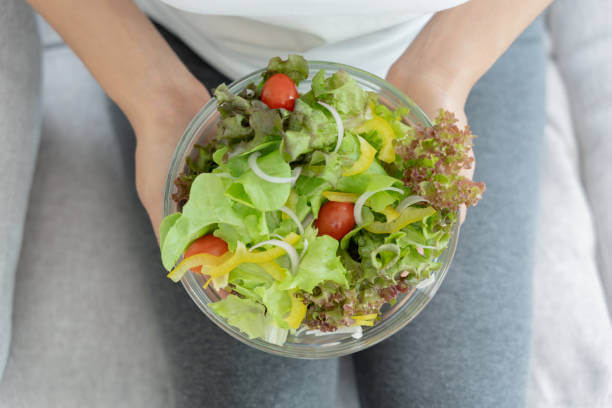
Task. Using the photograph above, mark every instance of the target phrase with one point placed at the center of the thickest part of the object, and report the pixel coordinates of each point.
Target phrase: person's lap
(19, 137)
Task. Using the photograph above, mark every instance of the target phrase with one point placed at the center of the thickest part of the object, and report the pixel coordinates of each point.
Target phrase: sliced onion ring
(295, 174)
(308, 220)
(289, 249)
(304, 249)
(261, 174)
(364, 197)
(339, 124)
(294, 217)
(385, 248)
(408, 201)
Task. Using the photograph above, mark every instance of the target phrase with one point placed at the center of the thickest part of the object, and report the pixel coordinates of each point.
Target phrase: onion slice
(408, 201)
(289, 249)
(304, 249)
(339, 124)
(355, 331)
(295, 174)
(308, 220)
(385, 248)
(294, 217)
(364, 197)
(262, 175)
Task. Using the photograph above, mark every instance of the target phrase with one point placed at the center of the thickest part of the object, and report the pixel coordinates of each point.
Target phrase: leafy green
(278, 304)
(295, 67)
(319, 264)
(309, 128)
(165, 226)
(310, 192)
(256, 192)
(250, 276)
(207, 205)
(342, 92)
(203, 163)
(432, 160)
(245, 314)
(371, 180)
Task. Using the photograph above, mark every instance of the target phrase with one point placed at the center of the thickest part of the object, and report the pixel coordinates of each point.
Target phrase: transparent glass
(303, 345)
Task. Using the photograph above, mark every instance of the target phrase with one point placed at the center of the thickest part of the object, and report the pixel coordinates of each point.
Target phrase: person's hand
(157, 135)
(432, 91)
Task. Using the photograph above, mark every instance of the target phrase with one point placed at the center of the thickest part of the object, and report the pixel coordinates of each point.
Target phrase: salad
(313, 210)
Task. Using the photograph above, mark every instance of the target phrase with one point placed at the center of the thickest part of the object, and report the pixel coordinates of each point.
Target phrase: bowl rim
(377, 333)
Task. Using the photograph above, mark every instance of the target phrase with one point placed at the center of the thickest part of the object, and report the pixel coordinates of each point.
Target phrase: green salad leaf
(278, 304)
(342, 92)
(295, 67)
(245, 314)
(256, 192)
(207, 205)
(320, 264)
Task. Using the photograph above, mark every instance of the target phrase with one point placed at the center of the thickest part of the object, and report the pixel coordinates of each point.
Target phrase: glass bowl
(303, 344)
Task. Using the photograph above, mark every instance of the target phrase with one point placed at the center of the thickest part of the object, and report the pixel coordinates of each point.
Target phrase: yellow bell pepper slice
(407, 216)
(386, 133)
(363, 323)
(365, 317)
(340, 197)
(202, 260)
(365, 160)
(243, 256)
(274, 270)
(297, 313)
(390, 213)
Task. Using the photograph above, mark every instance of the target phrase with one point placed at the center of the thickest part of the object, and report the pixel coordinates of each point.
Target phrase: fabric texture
(582, 33)
(570, 317)
(19, 137)
(240, 36)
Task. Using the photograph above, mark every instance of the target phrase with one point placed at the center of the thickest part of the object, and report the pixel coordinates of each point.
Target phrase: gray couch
(82, 335)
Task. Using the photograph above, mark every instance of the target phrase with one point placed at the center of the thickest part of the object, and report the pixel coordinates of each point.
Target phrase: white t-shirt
(240, 36)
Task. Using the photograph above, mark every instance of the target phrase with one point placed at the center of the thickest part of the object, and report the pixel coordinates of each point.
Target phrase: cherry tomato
(335, 219)
(208, 244)
(279, 91)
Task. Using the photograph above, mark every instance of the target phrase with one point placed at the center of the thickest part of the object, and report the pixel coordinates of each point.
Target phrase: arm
(456, 48)
(139, 71)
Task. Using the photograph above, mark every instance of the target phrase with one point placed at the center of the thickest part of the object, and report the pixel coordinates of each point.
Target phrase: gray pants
(468, 348)
(19, 137)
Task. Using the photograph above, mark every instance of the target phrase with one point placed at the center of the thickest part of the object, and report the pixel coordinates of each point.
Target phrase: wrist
(424, 81)
(166, 101)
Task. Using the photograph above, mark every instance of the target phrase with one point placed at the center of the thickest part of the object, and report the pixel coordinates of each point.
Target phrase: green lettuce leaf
(371, 180)
(250, 276)
(310, 192)
(278, 304)
(310, 128)
(245, 314)
(295, 67)
(253, 191)
(166, 225)
(342, 92)
(318, 265)
(207, 205)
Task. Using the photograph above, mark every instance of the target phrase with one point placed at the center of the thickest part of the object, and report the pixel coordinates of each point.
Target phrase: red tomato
(335, 219)
(208, 244)
(279, 91)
